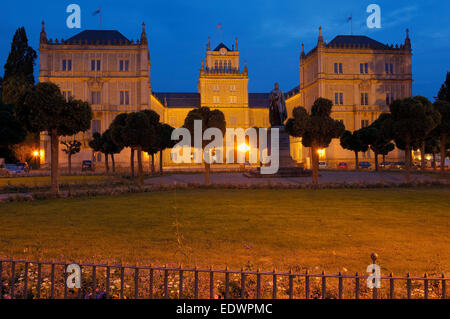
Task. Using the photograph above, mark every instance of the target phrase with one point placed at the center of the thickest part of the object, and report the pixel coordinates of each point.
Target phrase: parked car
(399, 165)
(342, 165)
(322, 165)
(364, 165)
(87, 166)
(385, 164)
(14, 169)
(446, 163)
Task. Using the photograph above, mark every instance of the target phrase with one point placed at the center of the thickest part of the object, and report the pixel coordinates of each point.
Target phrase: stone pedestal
(287, 166)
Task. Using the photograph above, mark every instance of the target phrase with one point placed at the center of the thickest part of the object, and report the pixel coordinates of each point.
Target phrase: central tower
(222, 84)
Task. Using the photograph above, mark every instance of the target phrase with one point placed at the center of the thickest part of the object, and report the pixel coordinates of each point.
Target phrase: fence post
(306, 284)
(242, 284)
(408, 286)
(258, 284)
(443, 287)
(324, 285)
(25, 283)
(374, 257)
(52, 282)
(136, 283)
(13, 279)
(340, 285)
(211, 282)
(180, 293)
(291, 284)
(391, 286)
(1, 281)
(274, 292)
(227, 282)
(356, 286)
(425, 286)
(196, 283)
(166, 282)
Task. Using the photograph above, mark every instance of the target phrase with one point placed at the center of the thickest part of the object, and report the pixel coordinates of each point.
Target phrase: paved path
(324, 177)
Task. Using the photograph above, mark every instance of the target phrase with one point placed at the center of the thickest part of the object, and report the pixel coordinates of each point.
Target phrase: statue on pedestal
(277, 109)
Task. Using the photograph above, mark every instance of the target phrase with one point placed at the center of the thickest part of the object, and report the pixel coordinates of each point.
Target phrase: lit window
(364, 68)
(66, 65)
(123, 65)
(338, 98)
(124, 98)
(389, 98)
(67, 95)
(95, 65)
(95, 98)
(364, 98)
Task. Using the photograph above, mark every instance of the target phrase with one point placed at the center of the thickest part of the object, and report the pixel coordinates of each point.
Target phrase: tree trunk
(356, 161)
(376, 161)
(113, 163)
(434, 162)
(54, 140)
(315, 165)
(106, 163)
(140, 169)
(153, 164)
(443, 144)
(384, 162)
(69, 159)
(207, 169)
(422, 157)
(132, 162)
(160, 162)
(407, 160)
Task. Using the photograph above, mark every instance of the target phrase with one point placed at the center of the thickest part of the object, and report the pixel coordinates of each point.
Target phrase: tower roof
(98, 35)
(220, 46)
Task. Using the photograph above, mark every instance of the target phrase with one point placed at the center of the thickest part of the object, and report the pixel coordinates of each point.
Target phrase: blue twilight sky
(270, 33)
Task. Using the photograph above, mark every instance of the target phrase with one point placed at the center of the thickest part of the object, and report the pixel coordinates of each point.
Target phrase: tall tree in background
(110, 148)
(409, 123)
(19, 77)
(72, 148)
(316, 130)
(444, 92)
(443, 129)
(210, 119)
(21, 58)
(11, 130)
(44, 109)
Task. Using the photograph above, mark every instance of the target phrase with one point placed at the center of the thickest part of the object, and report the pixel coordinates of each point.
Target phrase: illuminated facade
(360, 75)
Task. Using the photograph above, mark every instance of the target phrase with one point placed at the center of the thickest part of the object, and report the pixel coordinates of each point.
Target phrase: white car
(322, 165)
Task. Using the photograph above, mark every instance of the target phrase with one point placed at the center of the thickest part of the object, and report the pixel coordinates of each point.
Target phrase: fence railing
(22, 279)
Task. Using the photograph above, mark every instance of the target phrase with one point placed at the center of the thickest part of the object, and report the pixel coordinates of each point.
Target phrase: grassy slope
(327, 229)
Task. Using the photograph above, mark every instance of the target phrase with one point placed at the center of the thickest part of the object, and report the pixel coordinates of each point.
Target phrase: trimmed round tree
(44, 109)
(317, 130)
(410, 121)
(72, 148)
(210, 119)
(352, 142)
(164, 141)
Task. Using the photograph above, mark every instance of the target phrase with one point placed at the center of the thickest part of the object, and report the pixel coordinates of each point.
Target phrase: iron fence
(22, 279)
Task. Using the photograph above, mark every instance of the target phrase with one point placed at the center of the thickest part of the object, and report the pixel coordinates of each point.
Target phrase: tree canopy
(11, 130)
(444, 92)
(316, 130)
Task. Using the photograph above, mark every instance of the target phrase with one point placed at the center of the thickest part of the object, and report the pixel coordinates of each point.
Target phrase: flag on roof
(96, 12)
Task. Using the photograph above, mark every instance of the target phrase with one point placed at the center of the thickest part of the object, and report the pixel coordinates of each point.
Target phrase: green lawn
(334, 230)
(32, 181)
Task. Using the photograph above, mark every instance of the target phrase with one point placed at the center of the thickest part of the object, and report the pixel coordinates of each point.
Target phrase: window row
(96, 99)
(222, 64)
(364, 68)
(96, 65)
(232, 99)
(339, 98)
(216, 88)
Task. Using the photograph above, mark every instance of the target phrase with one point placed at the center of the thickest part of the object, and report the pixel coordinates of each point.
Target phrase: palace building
(360, 75)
